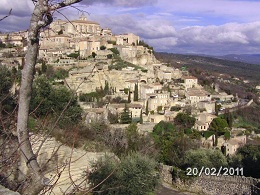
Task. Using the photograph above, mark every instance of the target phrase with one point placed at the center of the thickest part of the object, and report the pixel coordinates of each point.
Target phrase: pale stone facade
(157, 99)
(208, 106)
(127, 39)
(96, 114)
(145, 89)
(190, 82)
(223, 97)
(233, 144)
(197, 95)
(80, 27)
(15, 38)
(203, 121)
(155, 118)
(134, 108)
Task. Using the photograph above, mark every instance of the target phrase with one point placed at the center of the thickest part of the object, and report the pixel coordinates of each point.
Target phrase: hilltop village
(117, 74)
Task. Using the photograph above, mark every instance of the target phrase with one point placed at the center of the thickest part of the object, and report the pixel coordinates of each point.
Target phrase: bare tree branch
(10, 12)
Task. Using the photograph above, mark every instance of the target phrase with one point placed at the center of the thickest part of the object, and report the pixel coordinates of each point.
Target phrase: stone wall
(214, 185)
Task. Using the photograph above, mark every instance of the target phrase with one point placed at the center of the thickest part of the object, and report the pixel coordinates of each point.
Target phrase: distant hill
(212, 64)
(248, 58)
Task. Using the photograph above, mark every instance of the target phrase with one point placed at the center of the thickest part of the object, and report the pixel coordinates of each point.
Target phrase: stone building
(203, 121)
(54, 41)
(134, 108)
(233, 144)
(190, 82)
(197, 95)
(96, 114)
(127, 39)
(157, 99)
(208, 106)
(77, 28)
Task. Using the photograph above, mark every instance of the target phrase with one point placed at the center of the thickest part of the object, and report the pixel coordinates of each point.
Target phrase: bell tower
(83, 17)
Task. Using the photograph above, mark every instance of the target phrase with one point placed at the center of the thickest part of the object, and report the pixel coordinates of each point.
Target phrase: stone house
(86, 47)
(190, 82)
(170, 115)
(203, 121)
(164, 75)
(233, 144)
(102, 54)
(208, 106)
(176, 73)
(157, 86)
(96, 114)
(197, 95)
(15, 38)
(155, 118)
(131, 84)
(223, 97)
(157, 99)
(133, 107)
(56, 41)
(145, 89)
(127, 39)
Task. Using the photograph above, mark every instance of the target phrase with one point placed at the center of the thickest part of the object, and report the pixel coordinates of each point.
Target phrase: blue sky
(213, 27)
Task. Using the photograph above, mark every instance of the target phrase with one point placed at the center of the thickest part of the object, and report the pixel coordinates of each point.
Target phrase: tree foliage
(172, 143)
(184, 120)
(218, 125)
(126, 116)
(7, 99)
(50, 100)
(115, 51)
(204, 158)
(132, 137)
(135, 174)
(248, 157)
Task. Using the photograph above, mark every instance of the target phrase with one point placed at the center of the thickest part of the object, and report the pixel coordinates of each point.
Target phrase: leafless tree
(41, 18)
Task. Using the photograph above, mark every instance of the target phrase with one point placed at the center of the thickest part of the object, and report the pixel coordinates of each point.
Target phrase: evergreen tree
(229, 118)
(126, 116)
(129, 97)
(218, 126)
(216, 108)
(146, 108)
(141, 117)
(106, 88)
(136, 93)
(44, 67)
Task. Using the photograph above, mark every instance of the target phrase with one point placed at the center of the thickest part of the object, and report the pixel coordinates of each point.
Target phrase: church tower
(83, 17)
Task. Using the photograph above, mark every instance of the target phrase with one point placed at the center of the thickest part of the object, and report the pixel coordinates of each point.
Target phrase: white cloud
(228, 38)
(246, 11)
(143, 26)
(121, 3)
(19, 8)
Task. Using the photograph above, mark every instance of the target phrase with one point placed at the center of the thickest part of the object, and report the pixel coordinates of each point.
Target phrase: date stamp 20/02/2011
(225, 171)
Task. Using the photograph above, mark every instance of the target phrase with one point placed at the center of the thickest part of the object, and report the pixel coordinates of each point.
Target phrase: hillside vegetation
(237, 78)
(237, 69)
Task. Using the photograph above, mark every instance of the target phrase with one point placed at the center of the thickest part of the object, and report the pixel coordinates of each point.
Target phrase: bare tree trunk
(41, 18)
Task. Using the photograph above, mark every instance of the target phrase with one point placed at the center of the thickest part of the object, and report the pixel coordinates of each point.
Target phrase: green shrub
(136, 174)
